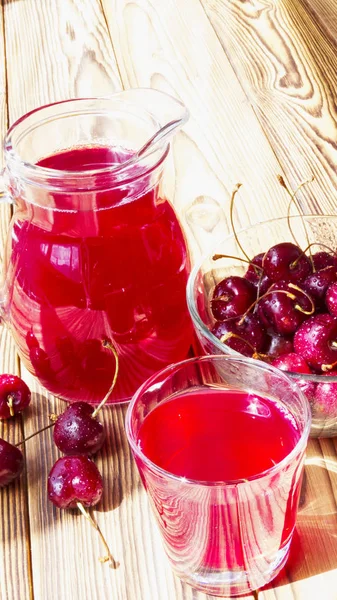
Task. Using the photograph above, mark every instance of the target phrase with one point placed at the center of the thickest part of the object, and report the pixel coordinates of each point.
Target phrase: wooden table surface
(260, 80)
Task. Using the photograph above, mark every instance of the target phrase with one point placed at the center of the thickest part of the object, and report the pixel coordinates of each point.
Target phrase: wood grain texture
(311, 571)
(54, 50)
(15, 558)
(284, 55)
(170, 45)
(232, 75)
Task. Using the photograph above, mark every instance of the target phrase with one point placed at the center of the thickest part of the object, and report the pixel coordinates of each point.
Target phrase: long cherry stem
(108, 344)
(297, 306)
(249, 262)
(293, 199)
(53, 417)
(289, 294)
(234, 192)
(109, 557)
(35, 433)
(230, 334)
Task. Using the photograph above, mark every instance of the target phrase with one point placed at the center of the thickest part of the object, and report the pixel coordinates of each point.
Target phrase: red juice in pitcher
(115, 268)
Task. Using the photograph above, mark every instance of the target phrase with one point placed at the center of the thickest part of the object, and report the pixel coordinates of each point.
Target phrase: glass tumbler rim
(256, 364)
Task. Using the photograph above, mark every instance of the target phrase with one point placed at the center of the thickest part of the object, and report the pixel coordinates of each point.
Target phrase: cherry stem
(249, 262)
(234, 192)
(328, 367)
(294, 200)
(10, 404)
(231, 334)
(36, 433)
(289, 294)
(297, 306)
(108, 344)
(309, 247)
(109, 557)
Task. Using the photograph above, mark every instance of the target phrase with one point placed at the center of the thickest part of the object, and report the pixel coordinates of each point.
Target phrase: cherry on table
(75, 482)
(14, 395)
(77, 431)
(11, 462)
(74, 479)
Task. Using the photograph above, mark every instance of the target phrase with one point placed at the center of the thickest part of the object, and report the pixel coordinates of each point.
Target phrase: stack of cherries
(284, 310)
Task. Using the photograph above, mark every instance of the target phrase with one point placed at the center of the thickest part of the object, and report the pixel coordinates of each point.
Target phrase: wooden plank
(311, 571)
(170, 45)
(55, 50)
(285, 57)
(15, 559)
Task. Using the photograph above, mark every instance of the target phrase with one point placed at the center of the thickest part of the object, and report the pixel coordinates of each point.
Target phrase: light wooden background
(260, 80)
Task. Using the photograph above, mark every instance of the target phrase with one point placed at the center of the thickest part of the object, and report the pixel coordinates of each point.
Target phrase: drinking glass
(95, 251)
(219, 442)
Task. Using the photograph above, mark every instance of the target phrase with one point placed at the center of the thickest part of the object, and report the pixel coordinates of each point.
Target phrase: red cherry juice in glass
(117, 269)
(225, 440)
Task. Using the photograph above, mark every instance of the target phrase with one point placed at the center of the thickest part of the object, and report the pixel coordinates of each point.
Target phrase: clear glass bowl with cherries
(270, 292)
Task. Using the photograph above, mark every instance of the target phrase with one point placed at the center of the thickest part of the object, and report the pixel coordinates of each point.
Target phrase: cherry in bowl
(228, 259)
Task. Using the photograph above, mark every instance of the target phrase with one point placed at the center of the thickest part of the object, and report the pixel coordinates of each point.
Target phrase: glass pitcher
(95, 251)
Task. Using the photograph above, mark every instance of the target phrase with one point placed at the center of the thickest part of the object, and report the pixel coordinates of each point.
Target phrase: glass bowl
(318, 230)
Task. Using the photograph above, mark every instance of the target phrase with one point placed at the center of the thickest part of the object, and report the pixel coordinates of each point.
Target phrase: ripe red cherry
(331, 299)
(74, 479)
(278, 345)
(232, 297)
(11, 462)
(324, 259)
(291, 362)
(296, 364)
(286, 261)
(257, 277)
(251, 335)
(316, 284)
(326, 397)
(316, 341)
(284, 308)
(14, 395)
(76, 431)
